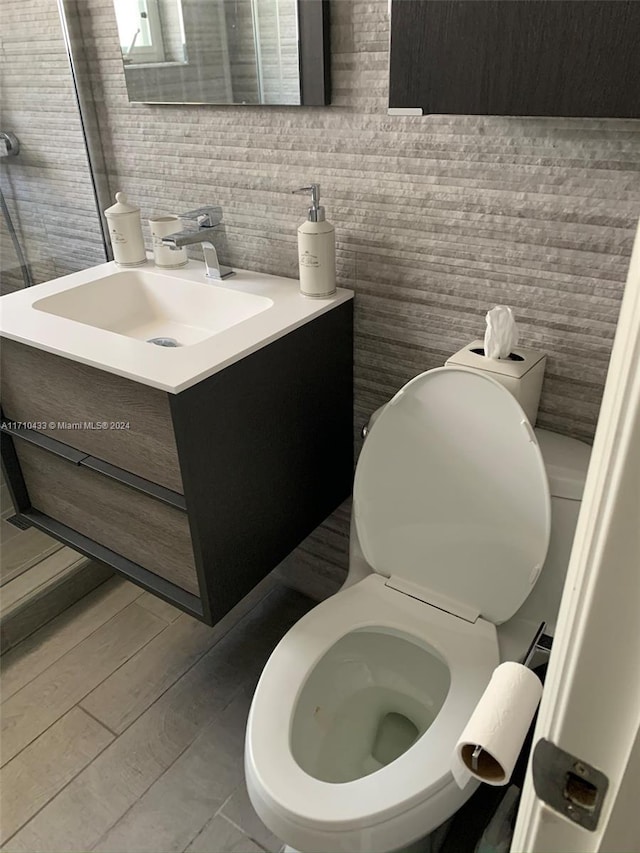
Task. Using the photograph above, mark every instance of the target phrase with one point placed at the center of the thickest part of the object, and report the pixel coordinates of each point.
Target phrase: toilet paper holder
(475, 757)
(541, 643)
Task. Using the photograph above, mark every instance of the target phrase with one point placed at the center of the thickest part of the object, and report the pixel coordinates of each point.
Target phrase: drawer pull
(145, 486)
(77, 457)
(125, 520)
(45, 442)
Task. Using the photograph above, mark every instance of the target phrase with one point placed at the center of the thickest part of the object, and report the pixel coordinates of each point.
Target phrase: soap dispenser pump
(316, 249)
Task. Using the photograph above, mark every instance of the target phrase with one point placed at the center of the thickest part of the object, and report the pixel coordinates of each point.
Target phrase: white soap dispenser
(125, 230)
(316, 249)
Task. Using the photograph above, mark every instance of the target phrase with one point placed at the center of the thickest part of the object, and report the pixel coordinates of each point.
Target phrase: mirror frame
(314, 25)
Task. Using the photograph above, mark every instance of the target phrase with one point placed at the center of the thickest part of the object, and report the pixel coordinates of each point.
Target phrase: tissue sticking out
(501, 335)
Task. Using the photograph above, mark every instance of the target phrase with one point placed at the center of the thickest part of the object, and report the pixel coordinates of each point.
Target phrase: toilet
(458, 552)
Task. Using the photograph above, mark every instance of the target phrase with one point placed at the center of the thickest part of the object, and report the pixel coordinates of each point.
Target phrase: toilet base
(432, 843)
(423, 822)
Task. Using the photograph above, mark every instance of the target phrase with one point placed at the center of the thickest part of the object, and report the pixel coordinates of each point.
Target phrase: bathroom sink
(109, 318)
(153, 307)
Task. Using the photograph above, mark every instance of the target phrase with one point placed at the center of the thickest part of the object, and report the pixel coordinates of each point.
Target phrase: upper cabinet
(225, 51)
(516, 57)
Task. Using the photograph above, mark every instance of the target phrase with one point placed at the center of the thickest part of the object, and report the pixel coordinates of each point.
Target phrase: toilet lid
(451, 494)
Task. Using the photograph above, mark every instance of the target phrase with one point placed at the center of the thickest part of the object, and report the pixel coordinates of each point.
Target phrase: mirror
(225, 51)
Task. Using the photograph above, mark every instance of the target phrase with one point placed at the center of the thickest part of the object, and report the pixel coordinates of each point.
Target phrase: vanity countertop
(169, 369)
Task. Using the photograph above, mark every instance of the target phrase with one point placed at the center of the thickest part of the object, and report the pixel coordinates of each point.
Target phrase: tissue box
(521, 374)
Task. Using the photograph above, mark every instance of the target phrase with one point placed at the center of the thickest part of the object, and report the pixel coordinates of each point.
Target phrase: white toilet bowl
(353, 724)
(319, 762)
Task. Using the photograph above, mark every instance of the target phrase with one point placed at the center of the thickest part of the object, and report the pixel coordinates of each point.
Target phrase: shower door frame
(71, 23)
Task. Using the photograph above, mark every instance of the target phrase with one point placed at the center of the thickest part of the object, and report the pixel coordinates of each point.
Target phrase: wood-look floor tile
(126, 694)
(176, 807)
(101, 795)
(8, 532)
(122, 697)
(36, 775)
(159, 607)
(79, 577)
(43, 575)
(33, 655)
(21, 552)
(222, 837)
(45, 699)
(239, 810)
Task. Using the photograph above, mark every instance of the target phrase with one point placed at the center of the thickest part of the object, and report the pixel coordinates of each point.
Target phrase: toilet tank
(566, 460)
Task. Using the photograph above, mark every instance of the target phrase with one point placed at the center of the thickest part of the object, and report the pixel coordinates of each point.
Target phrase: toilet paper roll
(498, 726)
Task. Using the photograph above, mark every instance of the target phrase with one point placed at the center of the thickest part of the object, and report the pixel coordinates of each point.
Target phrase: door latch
(567, 784)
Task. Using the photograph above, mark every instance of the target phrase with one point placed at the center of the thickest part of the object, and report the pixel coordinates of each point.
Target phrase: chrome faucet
(207, 219)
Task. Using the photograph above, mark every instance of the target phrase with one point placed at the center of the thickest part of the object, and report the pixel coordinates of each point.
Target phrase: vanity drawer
(40, 387)
(142, 529)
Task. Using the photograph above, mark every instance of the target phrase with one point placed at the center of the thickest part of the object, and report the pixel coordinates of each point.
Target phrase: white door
(590, 708)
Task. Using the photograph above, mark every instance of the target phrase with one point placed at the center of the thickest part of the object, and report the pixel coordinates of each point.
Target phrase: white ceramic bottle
(316, 249)
(125, 230)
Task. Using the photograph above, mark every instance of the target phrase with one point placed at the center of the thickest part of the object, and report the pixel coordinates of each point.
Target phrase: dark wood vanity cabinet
(195, 496)
(516, 57)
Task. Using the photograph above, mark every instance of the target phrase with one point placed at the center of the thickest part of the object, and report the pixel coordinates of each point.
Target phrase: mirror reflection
(210, 51)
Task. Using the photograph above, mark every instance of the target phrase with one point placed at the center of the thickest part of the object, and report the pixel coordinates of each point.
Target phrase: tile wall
(48, 185)
(438, 218)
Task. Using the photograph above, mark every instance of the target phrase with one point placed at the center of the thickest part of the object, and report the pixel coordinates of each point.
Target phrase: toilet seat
(451, 495)
(470, 651)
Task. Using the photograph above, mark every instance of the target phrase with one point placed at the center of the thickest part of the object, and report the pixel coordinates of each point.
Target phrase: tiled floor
(123, 724)
(39, 577)
(21, 549)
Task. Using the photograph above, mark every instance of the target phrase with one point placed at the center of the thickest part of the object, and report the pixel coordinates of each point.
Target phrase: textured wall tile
(437, 218)
(48, 186)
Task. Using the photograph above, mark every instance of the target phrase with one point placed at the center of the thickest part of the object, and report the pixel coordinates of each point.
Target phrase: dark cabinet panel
(266, 450)
(516, 57)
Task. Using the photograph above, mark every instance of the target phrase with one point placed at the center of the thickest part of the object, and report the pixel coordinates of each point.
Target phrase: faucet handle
(205, 217)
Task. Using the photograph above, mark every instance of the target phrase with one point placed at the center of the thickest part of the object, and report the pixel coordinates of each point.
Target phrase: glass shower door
(49, 226)
(48, 186)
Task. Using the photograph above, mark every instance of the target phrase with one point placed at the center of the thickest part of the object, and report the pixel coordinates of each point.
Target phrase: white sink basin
(148, 306)
(104, 317)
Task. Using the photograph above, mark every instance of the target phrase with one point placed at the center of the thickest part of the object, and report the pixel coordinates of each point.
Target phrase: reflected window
(151, 31)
